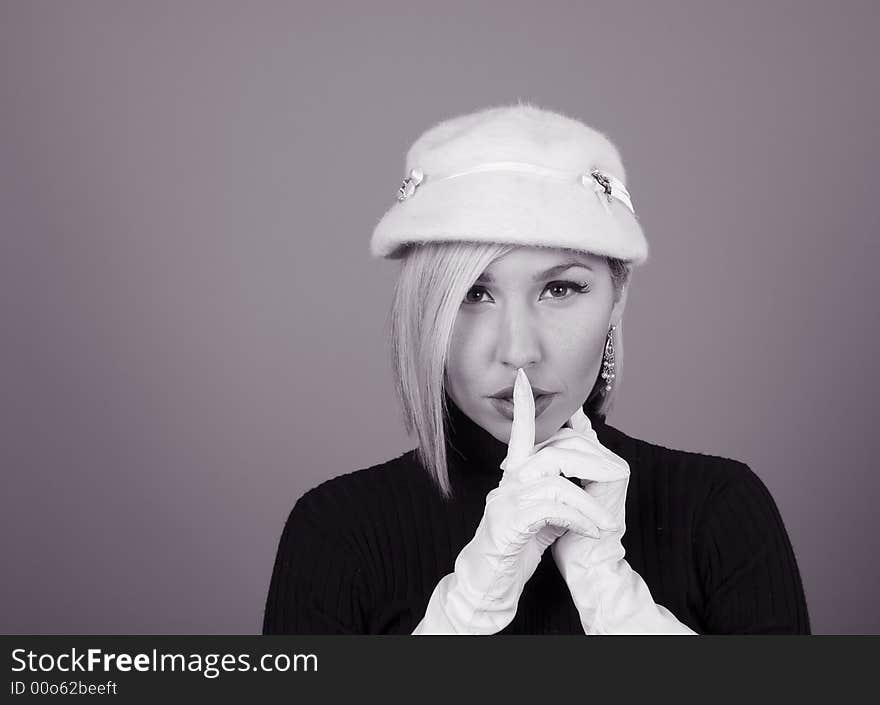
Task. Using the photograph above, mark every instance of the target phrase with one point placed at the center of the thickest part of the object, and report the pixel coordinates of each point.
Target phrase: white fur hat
(514, 174)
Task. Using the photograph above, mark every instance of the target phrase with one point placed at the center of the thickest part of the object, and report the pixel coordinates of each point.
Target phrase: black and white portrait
(439, 318)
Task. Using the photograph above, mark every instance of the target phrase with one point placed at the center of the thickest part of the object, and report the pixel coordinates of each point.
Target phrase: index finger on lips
(522, 429)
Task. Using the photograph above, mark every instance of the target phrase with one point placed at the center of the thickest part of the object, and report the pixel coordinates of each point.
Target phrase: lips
(507, 393)
(509, 397)
(504, 406)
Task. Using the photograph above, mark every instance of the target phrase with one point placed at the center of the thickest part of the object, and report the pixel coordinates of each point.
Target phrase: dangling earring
(608, 360)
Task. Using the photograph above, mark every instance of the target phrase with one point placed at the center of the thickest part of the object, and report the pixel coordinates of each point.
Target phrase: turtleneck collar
(472, 451)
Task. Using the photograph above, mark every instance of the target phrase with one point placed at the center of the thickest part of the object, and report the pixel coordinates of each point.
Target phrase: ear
(617, 310)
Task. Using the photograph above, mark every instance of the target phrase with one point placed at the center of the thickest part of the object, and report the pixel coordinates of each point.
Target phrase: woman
(518, 238)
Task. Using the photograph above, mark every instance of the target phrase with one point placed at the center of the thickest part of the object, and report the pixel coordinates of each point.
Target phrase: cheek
(461, 366)
(579, 353)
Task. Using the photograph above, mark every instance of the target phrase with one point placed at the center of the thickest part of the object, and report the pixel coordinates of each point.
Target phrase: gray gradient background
(194, 333)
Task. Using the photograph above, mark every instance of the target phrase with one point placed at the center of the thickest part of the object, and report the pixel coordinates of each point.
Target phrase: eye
(564, 286)
(477, 289)
(577, 287)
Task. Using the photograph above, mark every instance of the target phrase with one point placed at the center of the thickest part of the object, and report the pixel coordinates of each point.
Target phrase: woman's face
(545, 310)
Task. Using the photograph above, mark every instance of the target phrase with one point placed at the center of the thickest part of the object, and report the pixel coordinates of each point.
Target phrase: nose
(519, 342)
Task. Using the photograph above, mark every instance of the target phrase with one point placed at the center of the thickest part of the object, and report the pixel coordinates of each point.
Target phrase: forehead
(532, 262)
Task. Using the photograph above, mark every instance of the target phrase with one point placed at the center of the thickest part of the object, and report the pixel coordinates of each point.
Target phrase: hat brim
(510, 208)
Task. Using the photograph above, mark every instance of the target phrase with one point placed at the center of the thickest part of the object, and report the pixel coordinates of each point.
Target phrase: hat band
(604, 185)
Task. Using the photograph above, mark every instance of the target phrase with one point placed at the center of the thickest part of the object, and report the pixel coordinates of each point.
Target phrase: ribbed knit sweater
(361, 553)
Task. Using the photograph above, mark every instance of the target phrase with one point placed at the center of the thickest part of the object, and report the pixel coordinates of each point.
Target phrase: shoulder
(361, 502)
(714, 473)
(341, 492)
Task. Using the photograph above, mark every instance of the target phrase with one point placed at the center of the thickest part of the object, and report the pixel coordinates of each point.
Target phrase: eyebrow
(486, 278)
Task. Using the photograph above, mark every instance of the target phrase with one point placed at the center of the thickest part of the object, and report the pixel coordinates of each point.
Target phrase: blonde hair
(433, 280)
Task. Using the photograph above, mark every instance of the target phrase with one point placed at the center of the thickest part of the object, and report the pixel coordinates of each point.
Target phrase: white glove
(531, 507)
(610, 596)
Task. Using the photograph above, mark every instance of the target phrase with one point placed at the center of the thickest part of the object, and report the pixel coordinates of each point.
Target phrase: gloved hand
(610, 596)
(529, 509)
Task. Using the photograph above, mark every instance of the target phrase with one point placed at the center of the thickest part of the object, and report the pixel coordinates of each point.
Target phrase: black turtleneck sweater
(361, 553)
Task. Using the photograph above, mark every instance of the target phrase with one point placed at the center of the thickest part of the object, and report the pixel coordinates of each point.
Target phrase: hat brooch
(408, 187)
(606, 188)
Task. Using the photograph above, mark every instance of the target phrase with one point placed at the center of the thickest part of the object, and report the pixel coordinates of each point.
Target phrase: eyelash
(579, 287)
